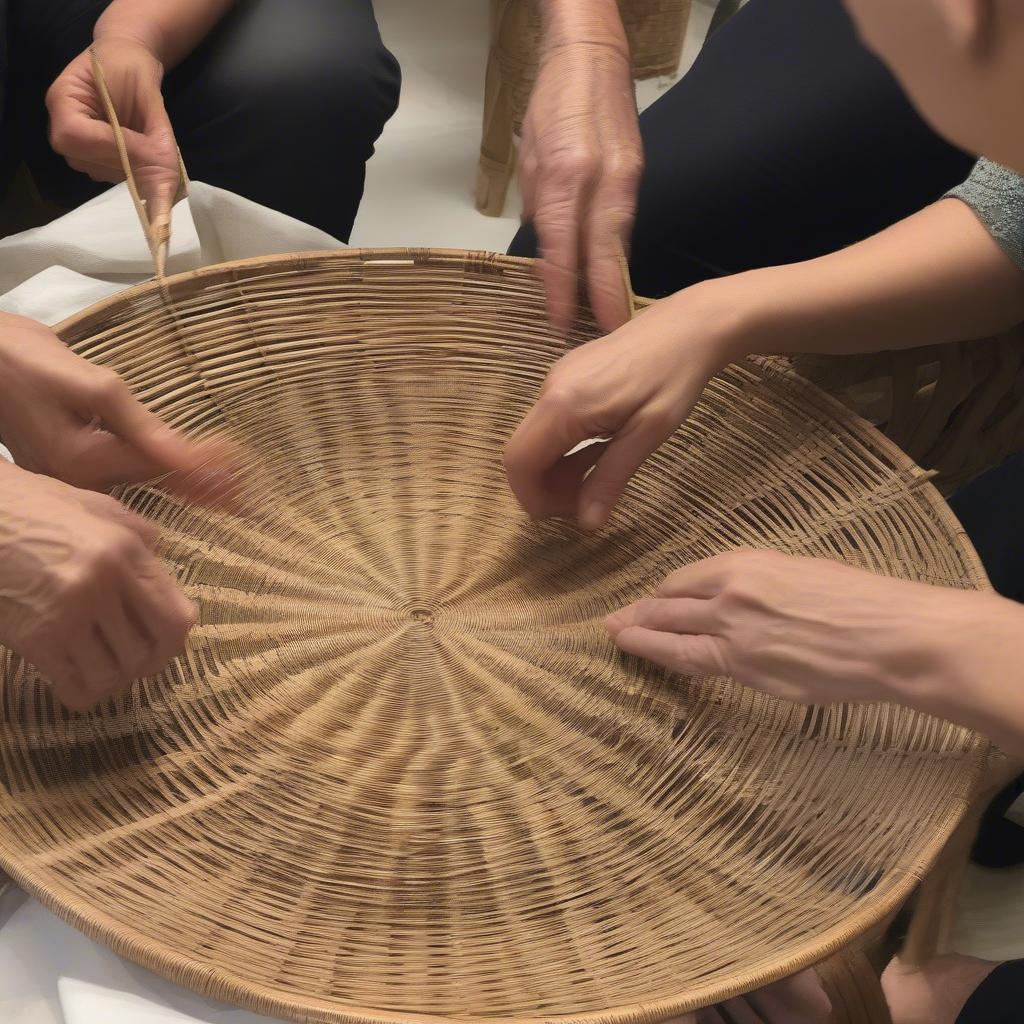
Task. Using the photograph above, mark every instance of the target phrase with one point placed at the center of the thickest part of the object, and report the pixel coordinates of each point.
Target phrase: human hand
(579, 169)
(634, 387)
(805, 629)
(70, 419)
(79, 130)
(82, 596)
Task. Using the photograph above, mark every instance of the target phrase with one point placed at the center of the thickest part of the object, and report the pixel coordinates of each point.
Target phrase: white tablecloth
(49, 973)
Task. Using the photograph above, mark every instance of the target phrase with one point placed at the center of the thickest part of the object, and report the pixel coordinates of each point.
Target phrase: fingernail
(613, 623)
(593, 516)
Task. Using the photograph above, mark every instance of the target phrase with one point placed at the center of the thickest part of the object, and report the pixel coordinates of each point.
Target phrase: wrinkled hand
(82, 596)
(634, 387)
(80, 133)
(804, 629)
(579, 169)
(67, 418)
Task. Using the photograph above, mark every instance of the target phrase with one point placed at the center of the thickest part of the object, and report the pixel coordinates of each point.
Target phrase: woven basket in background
(957, 409)
(401, 773)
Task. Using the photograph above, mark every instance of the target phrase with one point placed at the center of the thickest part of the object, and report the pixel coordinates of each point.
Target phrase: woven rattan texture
(401, 770)
(957, 409)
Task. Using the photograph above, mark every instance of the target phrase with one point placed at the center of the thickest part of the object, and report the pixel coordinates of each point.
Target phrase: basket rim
(890, 893)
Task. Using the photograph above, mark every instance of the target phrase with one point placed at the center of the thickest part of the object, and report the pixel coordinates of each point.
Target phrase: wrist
(983, 682)
(572, 23)
(133, 31)
(964, 662)
(716, 313)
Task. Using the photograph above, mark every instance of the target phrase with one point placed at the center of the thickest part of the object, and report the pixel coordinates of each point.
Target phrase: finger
(133, 647)
(198, 471)
(103, 460)
(155, 160)
(548, 431)
(528, 186)
(78, 136)
(95, 662)
(688, 655)
(98, 172)
(562, 482)
(666, 615)
(621, 458)
(528, 169)
(162, 612)
(556, 222)
(800, 999)
(563, 188)
(111, 510)
(55, 669)
(88, 142)
(68, 686)
(607, 238)
(217, 479)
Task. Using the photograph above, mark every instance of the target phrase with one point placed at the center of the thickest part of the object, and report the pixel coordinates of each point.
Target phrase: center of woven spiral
(420, 614)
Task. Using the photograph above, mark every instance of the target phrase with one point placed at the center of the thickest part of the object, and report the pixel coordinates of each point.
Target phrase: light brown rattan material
(655, 30)
(957, 409)
(401, 773)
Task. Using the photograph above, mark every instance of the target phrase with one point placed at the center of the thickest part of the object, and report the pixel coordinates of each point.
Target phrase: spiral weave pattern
(401, 773)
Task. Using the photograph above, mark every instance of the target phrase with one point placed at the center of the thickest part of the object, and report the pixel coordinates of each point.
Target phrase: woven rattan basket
(401, 773)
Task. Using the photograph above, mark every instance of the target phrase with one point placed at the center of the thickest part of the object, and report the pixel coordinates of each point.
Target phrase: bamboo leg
(935, 907)
(854, 988)
(497, 147)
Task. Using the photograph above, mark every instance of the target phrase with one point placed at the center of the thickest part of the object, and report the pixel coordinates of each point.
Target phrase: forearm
(976, 675)
(937, 276)
(169, 30)
(568, 22)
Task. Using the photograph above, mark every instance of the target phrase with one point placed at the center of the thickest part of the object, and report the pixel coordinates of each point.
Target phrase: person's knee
(339, 97)
(308, 73)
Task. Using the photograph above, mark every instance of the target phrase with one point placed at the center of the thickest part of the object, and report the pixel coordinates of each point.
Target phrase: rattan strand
(401, 772)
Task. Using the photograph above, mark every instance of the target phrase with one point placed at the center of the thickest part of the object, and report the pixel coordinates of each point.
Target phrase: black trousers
(999, 999)
(282, 103)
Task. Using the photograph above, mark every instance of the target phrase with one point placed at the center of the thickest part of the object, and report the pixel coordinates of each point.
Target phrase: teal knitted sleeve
(996, 195)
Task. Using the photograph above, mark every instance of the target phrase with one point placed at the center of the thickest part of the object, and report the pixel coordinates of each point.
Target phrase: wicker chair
(955, 409)
(655, 29)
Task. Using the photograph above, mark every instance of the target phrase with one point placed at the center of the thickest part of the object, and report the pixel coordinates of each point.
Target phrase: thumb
(623, 456)
(153, 155)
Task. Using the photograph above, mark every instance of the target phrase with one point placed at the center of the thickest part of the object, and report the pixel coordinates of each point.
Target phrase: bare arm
(935, 277)
(169, 30)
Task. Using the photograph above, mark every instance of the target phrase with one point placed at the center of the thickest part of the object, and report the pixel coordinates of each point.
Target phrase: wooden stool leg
(497, 148)
(854, 988)
(935, 906)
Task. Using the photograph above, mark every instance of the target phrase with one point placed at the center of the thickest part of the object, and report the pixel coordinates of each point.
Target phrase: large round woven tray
(401, 772)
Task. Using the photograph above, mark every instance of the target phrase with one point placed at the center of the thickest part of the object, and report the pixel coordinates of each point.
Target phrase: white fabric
(50, 973)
